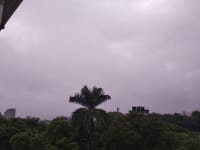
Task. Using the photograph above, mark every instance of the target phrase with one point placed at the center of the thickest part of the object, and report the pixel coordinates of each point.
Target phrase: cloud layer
(141, 52)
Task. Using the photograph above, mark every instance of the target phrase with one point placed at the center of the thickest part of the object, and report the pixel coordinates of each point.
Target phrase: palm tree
(86, 118)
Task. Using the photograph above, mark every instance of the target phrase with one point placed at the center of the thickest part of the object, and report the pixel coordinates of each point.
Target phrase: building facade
(10, 113)
(7, 8)
(139, 109)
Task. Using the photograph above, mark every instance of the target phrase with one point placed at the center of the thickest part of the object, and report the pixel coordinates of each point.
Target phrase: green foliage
(21, 141)
(66, 144)
(30, 141)
(95, 129)
(58, 129)
(116, 131)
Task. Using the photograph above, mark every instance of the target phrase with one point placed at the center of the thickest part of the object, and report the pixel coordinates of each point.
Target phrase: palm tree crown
(90, 99)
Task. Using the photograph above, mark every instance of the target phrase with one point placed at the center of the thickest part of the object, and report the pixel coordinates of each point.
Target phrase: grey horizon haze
(141, 52)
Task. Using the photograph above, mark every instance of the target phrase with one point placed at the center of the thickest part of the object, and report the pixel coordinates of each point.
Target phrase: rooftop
(9, 7)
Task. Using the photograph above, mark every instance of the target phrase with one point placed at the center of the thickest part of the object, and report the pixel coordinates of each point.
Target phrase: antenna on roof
(118, 109)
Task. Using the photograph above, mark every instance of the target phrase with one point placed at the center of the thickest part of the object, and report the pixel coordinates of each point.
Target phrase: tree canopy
(95, 129)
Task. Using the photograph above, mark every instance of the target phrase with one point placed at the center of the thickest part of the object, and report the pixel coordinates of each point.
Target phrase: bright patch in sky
(152, 4)
(18, 35)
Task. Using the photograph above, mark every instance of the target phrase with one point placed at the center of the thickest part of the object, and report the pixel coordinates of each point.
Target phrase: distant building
(7, 8)
(139, 109)
(10, 113)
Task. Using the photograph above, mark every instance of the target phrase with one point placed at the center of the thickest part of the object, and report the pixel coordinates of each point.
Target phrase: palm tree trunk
(91, 135)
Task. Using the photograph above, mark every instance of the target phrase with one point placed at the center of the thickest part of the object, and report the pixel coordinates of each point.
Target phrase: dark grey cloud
(141, 52)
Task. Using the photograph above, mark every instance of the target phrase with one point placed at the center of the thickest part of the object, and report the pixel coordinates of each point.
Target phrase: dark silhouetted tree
(86, 118)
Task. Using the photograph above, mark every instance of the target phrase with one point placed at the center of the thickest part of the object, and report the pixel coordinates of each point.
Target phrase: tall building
(10, 113)
(7, 8)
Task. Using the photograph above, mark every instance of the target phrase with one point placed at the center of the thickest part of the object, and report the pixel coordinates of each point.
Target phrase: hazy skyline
(141, 52)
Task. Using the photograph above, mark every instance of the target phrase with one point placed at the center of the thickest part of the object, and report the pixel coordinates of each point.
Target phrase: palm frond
(99, 96)
(90, 98)
(101, 99)
(78, 99)
(84, 98)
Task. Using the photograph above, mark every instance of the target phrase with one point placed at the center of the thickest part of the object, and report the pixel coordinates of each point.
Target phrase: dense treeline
(91, 128)
(122, 131)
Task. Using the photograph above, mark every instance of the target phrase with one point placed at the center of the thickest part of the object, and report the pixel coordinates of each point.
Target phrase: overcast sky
(141, 52)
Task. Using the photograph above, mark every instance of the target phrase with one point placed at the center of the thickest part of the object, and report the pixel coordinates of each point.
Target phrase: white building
(10, 113)
(7, 8)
